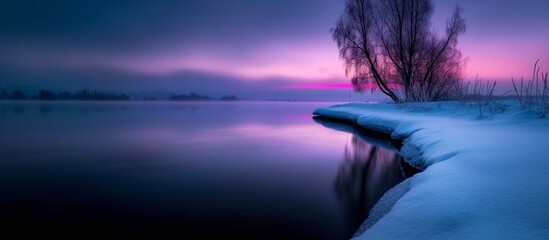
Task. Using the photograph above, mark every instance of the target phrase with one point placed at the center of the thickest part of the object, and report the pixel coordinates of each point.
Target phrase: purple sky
(251, 48)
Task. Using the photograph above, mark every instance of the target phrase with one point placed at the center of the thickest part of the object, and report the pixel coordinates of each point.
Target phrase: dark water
(186, 170)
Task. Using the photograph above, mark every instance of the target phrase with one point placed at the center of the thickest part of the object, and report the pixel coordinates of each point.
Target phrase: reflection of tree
(366, 173)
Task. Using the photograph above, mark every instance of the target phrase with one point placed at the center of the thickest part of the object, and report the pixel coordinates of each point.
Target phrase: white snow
(484, 178)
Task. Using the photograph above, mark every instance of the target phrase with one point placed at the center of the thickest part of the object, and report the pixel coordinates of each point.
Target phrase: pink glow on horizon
(301, 61)
(305, 60)
(504, 58)
(334, 86)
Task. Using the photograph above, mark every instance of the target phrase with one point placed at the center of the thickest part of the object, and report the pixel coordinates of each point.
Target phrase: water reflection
(246, 170)
(365, 174)
(369, 168)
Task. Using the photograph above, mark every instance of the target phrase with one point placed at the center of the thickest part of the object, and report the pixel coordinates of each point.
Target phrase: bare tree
(391, 43)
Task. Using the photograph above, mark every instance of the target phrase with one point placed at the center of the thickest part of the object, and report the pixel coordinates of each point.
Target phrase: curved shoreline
(483, 179)
(397, 143)
(366, 131)
(384, 205)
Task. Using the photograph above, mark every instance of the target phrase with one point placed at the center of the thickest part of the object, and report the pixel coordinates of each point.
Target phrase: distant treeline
(229, 98)
(90, 95)
(197, 97)
(84, 94)
(191, 97)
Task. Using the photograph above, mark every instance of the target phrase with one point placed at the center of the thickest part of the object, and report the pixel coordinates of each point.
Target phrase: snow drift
(483, 179)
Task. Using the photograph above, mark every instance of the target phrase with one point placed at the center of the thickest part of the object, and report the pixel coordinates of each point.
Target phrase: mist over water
(240, 169)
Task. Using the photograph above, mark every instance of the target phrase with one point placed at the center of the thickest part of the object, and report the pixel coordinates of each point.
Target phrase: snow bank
(483, 179)
(384, 205)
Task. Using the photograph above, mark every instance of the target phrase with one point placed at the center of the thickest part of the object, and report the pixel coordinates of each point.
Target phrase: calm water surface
(261, 170)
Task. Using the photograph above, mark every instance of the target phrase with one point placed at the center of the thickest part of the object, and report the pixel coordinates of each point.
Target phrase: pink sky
(305, 61)
(501, 42)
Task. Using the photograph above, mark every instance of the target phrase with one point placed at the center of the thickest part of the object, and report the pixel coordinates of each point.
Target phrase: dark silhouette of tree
(390, 43)
(46, 95)
(229, 98)
(18, 95)
(191, 97)
(86, 94)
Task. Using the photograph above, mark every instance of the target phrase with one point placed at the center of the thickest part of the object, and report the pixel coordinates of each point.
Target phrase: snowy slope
(483, 179)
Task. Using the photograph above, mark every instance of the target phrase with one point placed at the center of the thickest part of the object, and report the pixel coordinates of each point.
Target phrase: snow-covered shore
(483, 179)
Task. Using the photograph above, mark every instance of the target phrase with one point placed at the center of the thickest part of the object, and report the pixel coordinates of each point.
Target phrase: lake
(193, 170)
